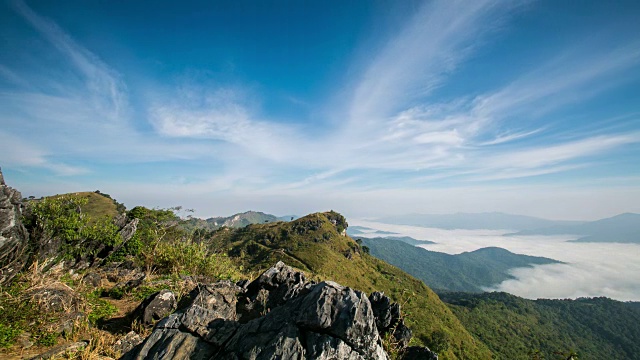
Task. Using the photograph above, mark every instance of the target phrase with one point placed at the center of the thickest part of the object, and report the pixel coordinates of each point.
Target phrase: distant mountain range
(472, 221)
(469, 271)
(356, 230)
(623, 228)
(234, 221)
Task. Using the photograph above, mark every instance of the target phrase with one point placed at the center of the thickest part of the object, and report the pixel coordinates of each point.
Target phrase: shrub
(8, 334)
(60, 218)
(189, 258)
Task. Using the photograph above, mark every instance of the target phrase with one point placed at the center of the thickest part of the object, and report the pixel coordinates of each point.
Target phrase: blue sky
(368, 108)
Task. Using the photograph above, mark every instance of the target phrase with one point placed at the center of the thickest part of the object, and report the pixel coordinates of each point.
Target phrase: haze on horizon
(367, 108)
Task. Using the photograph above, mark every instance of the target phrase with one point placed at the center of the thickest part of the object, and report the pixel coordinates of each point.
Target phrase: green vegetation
(159, 245)
(100, 309)
(61, 220)
(515, 328)
(20, 313)
(469, 271)
(96, 204)
(162, 246)
(81, 228)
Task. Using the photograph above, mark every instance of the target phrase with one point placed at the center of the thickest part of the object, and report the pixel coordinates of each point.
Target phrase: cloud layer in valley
(589, 269)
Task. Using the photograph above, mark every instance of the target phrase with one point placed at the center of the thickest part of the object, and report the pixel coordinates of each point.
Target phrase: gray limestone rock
(340, 317)
(127, 342)
(156, 307)
(389, 318)
(271, 289)
(302, 321)
(13, 235)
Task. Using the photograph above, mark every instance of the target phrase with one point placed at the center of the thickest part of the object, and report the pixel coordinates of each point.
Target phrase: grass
(97, 206)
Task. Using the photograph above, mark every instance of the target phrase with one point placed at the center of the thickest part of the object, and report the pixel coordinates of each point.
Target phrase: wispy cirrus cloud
(432, 44)
(109, 93)
(542, 156)
(78, 108)
(220, 114)
(569, 77)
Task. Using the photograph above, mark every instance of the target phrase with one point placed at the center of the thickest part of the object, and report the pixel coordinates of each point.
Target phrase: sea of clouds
(589, 269)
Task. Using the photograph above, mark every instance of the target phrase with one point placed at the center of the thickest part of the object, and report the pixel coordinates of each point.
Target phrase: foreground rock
(278, 316)
(13, 235)
(155, 307)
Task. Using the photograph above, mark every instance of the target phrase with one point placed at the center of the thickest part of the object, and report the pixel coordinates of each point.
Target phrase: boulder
(156, 307)
(328, 320)
(297, 320)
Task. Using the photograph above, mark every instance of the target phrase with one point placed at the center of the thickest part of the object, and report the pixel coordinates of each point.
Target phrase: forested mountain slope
(514, 328)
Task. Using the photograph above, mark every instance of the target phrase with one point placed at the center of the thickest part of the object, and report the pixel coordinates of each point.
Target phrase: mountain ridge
(469, 271)
(233, 221)
(474, 221)
(622, 228)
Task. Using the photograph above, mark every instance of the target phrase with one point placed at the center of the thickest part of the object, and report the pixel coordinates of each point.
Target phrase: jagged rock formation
(13, 235)
(277, 316)
(389, 318)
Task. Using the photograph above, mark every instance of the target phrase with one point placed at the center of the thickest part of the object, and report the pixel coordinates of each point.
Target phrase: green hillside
(469, 271)
(315, 244)
(595, 328)
(96, 204)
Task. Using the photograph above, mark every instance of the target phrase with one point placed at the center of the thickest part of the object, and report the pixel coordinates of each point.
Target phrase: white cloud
(17, 153)
(221, 115)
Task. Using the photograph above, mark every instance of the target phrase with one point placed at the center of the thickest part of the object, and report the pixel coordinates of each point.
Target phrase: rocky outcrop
(277, 316)
(13, 235)
(280, 315)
